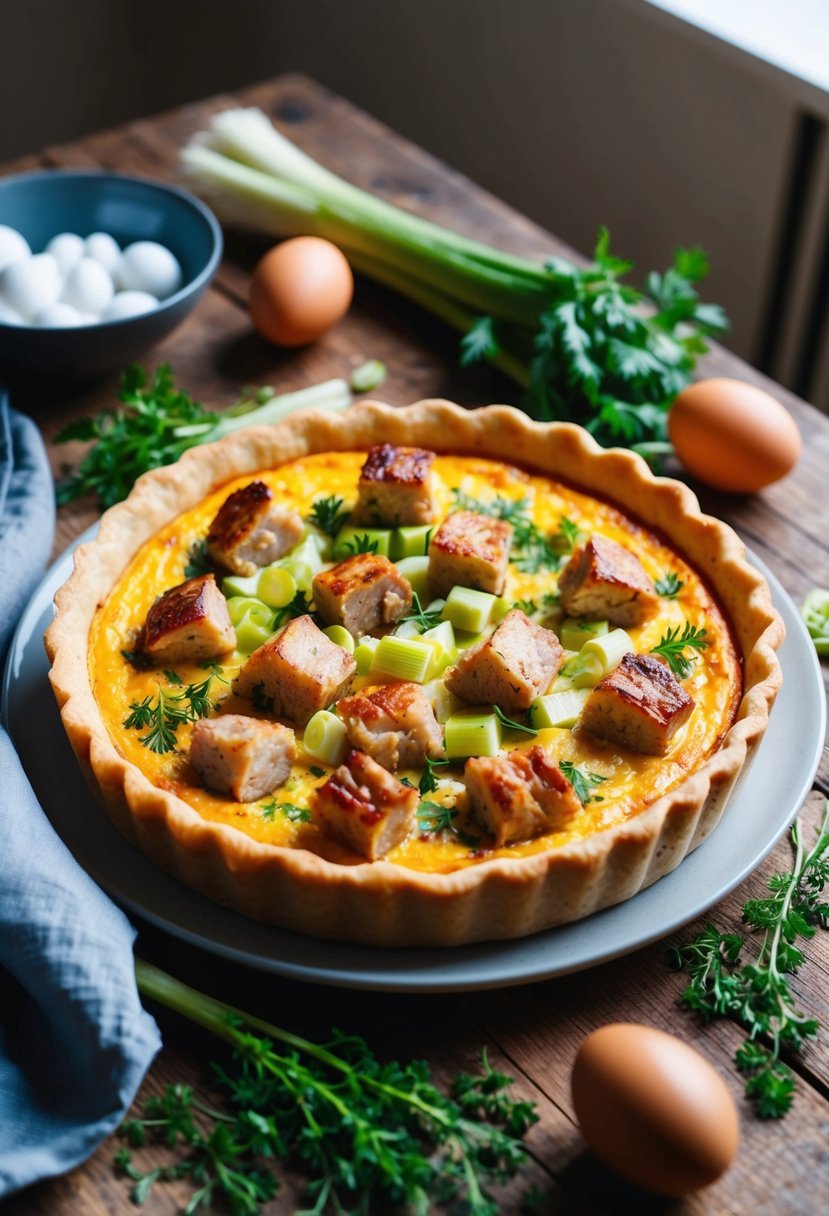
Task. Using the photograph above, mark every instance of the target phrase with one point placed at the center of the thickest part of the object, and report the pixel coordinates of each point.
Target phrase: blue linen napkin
(75, 1042)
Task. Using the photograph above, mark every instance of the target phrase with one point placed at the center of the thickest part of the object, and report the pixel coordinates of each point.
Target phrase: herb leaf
(583, 783)
(510, 724)
(428, 781)
(757, 994)
(422, 619)
(360, 544)
(669, 585)
(328, 514)
(671, 647)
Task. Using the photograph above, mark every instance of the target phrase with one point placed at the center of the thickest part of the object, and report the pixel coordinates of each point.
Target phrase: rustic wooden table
(531, 1032)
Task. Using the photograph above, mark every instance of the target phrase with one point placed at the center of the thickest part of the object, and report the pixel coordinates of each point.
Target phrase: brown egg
(733, 436)
(653, 1109)
(299, 290)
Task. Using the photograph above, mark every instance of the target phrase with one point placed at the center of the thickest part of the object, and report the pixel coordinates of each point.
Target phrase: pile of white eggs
(81, 281)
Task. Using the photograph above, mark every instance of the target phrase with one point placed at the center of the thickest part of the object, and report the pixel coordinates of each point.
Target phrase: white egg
(13, 246)
(67, 248)
(103, 248)
(8, 316)
(128, 304)
(57, 316)
(31, 285)
(88, 287)
(148, 266)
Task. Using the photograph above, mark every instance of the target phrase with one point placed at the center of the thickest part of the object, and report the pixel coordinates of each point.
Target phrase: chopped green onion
(560, 709)
(236, 585)
(239, 605)
(254, 629)
(469, 609)
(610, 649)
(353, 539)
(412, 541)
(442, 638)
(415, 570)
(340, 636)
(368, 376)
(584, 670)
(364, 653)
(403, 659)
(326, 738)
(574, 632)
(472, 732)
(276, 586)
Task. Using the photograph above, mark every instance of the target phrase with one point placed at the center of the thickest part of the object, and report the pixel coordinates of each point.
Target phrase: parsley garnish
(758, 994)
(422, 619)
(138, 659)
(528, 607)
(672, 645)
(669, 585)
(296, 814)
(360, 544)
(268, 809)
(316, 771)
(582, 782)
(198, 561)
(328, 514)
(355, 1126)
(510, 724)
(433, 817)
(162, 716)
(428, 782)
(300, 605)
(532, 552)
(607, 355)
(568, 536)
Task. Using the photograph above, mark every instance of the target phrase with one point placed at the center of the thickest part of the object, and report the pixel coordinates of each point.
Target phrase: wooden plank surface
(532, 1032)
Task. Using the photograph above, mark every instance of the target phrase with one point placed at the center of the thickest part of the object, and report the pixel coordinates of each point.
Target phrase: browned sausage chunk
(241, 756)
(252, 530)
(296, 672)
(366, 808)
(362, 593)
(395, 725)
(396, 487)
(469, 550)
(640, 705)
(510, 668)
(605, 581)
(519, 796)
(190, 621)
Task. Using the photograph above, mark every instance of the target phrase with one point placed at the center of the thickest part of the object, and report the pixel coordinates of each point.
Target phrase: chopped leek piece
(442, 638)
(503, 604)
(352, 539)
(436, 606)
(815, 613)
(235, 585)
(472, 732)
(407, 629)
(368, 376)
(303, 562)
(238, 605)
(584, 670)
(254, 629)
(276, 586)
(411, 542)
(326, 738)
(444, 702)
(575, 632)
(611, 649)
(340, 636)
(416, 572)
(403, 659)
(558, 708)
(364, 654)
(323, 542)
(469, 609)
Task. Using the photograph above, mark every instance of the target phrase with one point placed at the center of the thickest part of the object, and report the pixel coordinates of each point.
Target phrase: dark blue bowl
(40, 205)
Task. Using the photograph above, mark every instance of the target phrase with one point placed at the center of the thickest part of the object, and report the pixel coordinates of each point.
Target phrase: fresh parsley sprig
(358, 1128)
(583, 783)
(758, 994)
(669, 585)
(328, 514)
(428, 781)
(434, 818)
(672, 645)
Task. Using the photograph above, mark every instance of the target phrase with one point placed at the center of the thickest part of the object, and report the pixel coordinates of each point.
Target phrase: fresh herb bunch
(588, 346)
(672, 645)
(161, 422)
(369, 1136)
(758, 994)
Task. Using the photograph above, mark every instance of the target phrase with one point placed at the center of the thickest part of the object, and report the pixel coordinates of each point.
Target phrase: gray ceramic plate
(764, 803)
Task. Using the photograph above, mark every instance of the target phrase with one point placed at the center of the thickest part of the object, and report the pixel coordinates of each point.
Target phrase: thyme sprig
(367, 1135)
(758, 994)
(419, 616)
(672, 645)
(162, 715)
(328, 514)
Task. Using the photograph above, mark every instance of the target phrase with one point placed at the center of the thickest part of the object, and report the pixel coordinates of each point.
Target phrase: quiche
(420, 676)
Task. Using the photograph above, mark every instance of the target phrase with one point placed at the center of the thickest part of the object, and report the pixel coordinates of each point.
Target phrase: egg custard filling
(151, 709)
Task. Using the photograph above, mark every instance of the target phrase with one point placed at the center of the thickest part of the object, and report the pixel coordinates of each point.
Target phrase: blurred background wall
(578, 112)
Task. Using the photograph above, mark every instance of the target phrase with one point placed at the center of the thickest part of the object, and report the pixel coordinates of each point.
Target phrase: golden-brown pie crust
(380, 903)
